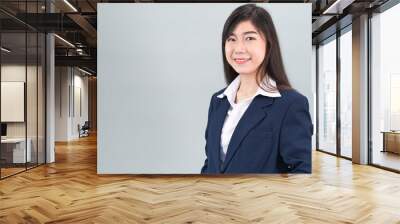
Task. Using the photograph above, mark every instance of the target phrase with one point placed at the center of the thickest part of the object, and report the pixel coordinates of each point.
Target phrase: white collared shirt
(237, 110)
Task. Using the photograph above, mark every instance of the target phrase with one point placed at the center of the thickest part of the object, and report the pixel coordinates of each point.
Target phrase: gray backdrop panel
(158, 65)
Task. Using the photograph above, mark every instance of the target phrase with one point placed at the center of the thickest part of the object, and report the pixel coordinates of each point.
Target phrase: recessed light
(70, 5)
(84, 71)
(5, 50)
(64, 40)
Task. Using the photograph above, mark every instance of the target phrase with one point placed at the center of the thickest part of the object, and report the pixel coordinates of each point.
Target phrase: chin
(245, 72)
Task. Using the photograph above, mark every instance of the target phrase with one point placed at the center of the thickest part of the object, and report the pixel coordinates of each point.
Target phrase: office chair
(84, 130)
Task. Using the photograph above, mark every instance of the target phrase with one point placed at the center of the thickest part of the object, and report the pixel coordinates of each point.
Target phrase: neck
(248, 84)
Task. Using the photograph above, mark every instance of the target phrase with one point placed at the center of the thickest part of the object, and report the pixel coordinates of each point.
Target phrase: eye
(250, 38)
(230, 39)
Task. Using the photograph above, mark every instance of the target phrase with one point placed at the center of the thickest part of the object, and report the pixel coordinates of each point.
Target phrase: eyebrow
(248, 32)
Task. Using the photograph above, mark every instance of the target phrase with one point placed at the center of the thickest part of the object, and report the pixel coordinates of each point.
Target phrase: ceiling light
(65, 41)
(5, 50)
(70, 5)
(338, 6)
(84, 71)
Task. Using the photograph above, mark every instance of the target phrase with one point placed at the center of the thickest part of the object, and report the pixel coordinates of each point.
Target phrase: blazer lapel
(253, 115)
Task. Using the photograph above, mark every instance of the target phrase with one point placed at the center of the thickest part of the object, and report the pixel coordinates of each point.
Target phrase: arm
(295, 137)
(204, 168)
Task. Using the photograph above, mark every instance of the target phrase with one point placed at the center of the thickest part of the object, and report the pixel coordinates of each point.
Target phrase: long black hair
(272, 65)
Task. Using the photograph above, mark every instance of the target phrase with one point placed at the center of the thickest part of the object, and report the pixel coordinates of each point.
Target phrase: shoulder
(214, 96)
(218, 93)
(214, 99)
(292, 96)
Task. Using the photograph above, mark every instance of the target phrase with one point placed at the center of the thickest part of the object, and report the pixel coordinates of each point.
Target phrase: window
(327, 96)
(346, 93)
(385, 89)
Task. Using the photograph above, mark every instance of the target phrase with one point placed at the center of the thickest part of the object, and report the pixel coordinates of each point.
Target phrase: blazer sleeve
(296, 136)
(204, 168)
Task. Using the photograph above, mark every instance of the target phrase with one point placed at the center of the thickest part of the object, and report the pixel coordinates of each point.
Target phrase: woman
(259, 123)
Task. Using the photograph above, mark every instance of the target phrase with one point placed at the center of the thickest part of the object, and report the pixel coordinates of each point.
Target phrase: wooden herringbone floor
(70, 191)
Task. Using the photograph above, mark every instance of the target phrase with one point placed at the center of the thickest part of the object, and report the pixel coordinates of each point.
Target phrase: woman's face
(245, 48)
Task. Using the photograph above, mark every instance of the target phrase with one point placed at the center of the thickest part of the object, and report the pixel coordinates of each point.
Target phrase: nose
(239, 47)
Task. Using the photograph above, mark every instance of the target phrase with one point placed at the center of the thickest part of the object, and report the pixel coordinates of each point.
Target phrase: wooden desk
(391, 141)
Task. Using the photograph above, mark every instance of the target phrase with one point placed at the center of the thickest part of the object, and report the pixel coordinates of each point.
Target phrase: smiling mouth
(241, 60)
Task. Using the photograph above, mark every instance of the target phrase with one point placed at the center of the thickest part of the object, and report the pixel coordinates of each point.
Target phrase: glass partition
(22, 77)
(41, 107)
(14, 153)
(32, 95)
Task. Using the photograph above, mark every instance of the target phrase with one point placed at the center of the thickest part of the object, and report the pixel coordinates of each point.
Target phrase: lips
(241, 60)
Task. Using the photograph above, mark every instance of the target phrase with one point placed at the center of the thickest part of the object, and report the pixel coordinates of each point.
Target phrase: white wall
(79, 117)
(61, 103)
(156, 76)
(67, 116)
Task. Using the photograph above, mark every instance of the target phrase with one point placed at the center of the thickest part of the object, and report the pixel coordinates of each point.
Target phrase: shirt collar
(230, 91)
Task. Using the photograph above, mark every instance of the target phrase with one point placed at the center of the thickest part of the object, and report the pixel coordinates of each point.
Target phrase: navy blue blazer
(273, 136)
